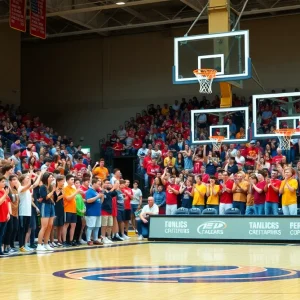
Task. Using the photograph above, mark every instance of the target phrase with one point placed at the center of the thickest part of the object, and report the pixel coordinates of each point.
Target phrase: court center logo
(180, 274)
(212, 227)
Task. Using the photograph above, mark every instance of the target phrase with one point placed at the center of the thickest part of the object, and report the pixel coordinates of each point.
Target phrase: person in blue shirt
(232, 129)
(160, 199)
(94, 199)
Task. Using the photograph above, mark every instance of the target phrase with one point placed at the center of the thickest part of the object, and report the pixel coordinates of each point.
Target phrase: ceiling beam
(194, 4)
(135, 13)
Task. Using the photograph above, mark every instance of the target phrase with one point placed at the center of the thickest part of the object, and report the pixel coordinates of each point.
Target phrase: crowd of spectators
(255, 177)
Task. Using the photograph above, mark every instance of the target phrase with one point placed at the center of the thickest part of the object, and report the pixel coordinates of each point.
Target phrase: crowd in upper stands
(256, 177)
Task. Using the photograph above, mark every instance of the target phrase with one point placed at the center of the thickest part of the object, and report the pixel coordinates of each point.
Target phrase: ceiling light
(120, 3)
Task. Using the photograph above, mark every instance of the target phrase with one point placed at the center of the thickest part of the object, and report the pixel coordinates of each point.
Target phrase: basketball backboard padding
(233, 46)
(242, 112)
(292, 98)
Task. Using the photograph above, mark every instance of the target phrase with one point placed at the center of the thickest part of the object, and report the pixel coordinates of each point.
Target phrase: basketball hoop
(217, 142)
(285, 136)
(205, 78)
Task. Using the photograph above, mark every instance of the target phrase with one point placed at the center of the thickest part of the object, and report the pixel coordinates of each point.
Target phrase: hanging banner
(17, 14)
(38, 18)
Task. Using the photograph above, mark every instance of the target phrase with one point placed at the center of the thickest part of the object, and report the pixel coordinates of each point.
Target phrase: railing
(6, 144)
(138, 175)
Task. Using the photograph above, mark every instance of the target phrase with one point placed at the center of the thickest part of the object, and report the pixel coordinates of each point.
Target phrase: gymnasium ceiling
(83, 18)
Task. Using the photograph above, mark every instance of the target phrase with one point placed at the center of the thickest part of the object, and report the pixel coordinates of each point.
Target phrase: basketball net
(216, 142)
(285, 136)
(205, 78)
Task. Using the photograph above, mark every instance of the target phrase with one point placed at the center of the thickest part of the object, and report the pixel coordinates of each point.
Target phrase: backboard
(211, 122)
(284, 108)
(226, 52)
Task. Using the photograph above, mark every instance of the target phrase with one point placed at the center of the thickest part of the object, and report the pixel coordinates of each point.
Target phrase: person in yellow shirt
(169, 161)
(100, 171)
(198, 193)
(165, 110)
(212, 192)
(239, 193)
(288, 190)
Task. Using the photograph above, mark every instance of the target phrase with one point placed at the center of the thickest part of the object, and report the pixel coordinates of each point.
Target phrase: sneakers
(3, 254)
(74, 244)
(125, 237)
(52, 244)
(41, 248)
(48, 247)
(107, 241)
(28, 248)
(12, 251)
(83, 242)
(118, 238)
(66, 245)
(24, 250)
(33, 246)
(58, 244)
(90, 243)
(140, 238)
(97, 242)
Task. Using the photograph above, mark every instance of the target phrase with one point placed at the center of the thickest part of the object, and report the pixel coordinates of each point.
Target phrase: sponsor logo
(212, 227)
(180, 274)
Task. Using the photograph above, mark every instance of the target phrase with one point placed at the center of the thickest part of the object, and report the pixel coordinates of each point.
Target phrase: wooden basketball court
(149, 270)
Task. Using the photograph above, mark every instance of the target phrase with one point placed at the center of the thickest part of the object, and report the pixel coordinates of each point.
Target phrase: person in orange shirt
(100, 171)
(69, 193)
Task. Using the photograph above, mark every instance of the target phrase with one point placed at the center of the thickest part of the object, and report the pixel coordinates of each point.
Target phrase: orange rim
(219, 138)
(285, 131)
(208, 73)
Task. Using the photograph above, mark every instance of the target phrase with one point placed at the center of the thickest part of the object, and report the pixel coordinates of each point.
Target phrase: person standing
(199, 193)
(226, 198)
(80, 211)
(69, 193)
(94, 200)
(239, 192)
(258, 184)
(4, 210)
(136, 202)
(172, 190)
(271, 190)
(212, 193)
(288, 189)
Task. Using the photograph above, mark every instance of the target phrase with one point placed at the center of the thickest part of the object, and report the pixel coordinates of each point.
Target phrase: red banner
(17, 14)
(38, 18)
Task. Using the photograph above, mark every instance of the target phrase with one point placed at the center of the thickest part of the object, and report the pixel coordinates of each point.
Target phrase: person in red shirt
(205, 176)
(272, 194)
(118, 147)
(278, 158)
(152, 169)
(32, 164)
(142, 132)
(172, 190)
(137, 143)
(258, 184)
(128, 195)
(251, 154)
(34, 135)
(5, 210)
(226, 198)
(197, 165)
(80, 165)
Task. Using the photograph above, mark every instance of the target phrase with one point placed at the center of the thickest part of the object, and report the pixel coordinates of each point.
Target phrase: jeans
(289, 209)
(201, 207)
(271, 208)
(171, 209)
(259, 209)
(240, 205)
(224, 207)
(146, 177)
(2, 232)
(216, 207)
(250, 210)
(143, 228)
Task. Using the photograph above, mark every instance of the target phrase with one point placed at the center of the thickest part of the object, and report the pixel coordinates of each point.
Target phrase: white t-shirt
(240, 160)
(155, 154)
(137, 193)
(25, 203)
(154, 209)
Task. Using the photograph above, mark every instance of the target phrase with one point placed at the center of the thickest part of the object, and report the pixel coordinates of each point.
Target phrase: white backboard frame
(255, 99)
(295, 119)
(223, 110)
